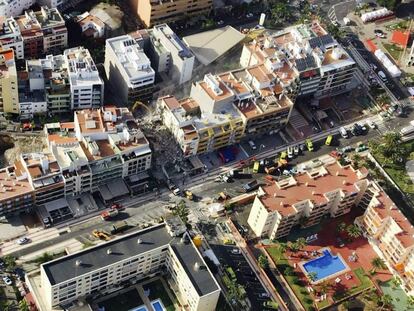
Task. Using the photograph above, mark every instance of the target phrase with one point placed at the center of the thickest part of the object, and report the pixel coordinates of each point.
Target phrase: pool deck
(333, 275)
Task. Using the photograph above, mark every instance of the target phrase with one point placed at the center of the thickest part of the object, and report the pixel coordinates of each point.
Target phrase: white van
(343, 132)
(382, 76)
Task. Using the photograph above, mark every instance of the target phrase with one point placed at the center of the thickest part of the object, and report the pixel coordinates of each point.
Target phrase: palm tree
(293, 246)
(312, 276)
(385, 301)
(282, 248)
(324, 286)
(301, 243)
(263, 261)
(356, 160)
(395, 282)
(341, 227)
(23, 306)
(377, 263)
(353, 231)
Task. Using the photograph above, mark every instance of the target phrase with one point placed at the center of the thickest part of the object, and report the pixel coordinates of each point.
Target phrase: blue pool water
(325, 265)
(157, 305)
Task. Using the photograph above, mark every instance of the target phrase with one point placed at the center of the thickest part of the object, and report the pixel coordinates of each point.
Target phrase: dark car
(250, 186)
(357, 130)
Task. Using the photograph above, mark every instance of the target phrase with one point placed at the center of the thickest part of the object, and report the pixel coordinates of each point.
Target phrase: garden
(359, 260)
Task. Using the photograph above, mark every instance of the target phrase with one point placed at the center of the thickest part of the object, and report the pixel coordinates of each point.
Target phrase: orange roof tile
(400, 37)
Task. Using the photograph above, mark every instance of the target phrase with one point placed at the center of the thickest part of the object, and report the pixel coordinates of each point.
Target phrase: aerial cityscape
(206, 155)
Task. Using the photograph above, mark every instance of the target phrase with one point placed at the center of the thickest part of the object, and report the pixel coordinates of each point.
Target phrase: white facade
(98, 270)
(10, 37)
(86, 86)
(180, 66)
(128, 69)
(11, 8)
(298, 200)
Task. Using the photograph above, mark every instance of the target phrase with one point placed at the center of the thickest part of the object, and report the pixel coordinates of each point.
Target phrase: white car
(290, 152)
(220, 22)
(235, 251)
(7, 280)
(252, 145)
(23, 241)
(264, 295)
(372, 124)
(249, 15)
(296, 149)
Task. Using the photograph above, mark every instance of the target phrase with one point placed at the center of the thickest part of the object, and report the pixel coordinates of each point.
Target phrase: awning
(113, 189)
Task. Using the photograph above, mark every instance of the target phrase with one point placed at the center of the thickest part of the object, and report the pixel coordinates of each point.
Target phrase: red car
(117, 206)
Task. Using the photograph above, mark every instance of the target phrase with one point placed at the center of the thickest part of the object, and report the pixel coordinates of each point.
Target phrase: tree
(324, 286)
(263, 261)
(341, 227)
(385, 301)
(182, 211)
(301, 243)
(410, 301)
(391, 148)
(23, 306)
(282, 248)
(293, 246)
(353, 231)
(389, 4)
(312, 276)
(356, 160)
(289, 271)
(377, 263)
(10, 262)
(280, 12)
(45, 257)
(395, 282)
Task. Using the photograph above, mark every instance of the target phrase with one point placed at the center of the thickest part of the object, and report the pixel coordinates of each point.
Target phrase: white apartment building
(86, 86)
(305, 58)
(9, 97)
(101, 269)
(128, 69)
(390, 234)
(171, 54)
(102, 146)
(305, 198)
(10, 36)
(11, 8)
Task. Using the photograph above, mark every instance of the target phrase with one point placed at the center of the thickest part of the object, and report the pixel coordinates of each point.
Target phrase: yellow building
(9, 96)
(153, 12)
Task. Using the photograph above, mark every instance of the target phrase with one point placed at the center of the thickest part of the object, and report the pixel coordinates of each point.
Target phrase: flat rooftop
(283, 195)
(131, 57)
(95, 258)
(209, 45)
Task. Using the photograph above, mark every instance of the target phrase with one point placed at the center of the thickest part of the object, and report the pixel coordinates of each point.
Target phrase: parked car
(290, 152)
(23, 241)
(7, 280)
(252, 145)
(235, 251)
(296, 149)
(371, 124)
(264, 295)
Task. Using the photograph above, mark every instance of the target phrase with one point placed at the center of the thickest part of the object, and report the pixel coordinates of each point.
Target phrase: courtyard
(332, 266)
(152, 295)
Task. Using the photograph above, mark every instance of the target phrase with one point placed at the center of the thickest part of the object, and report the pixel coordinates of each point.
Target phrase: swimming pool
(325, 265)
(157, 305)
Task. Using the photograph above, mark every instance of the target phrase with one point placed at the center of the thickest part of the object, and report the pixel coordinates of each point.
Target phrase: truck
(109, 214)
(279, 164)
(189, 195)
(250, 186)
(119, 227)
(100, 235)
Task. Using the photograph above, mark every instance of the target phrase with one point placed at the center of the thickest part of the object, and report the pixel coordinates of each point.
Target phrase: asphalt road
(245, 274)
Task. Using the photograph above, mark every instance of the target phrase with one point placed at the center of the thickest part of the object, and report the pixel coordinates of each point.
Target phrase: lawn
(365, 284)
(403, 25)
(399, 296)
(297, 287)
(394, 50)
(123, 302)
(157, 291)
